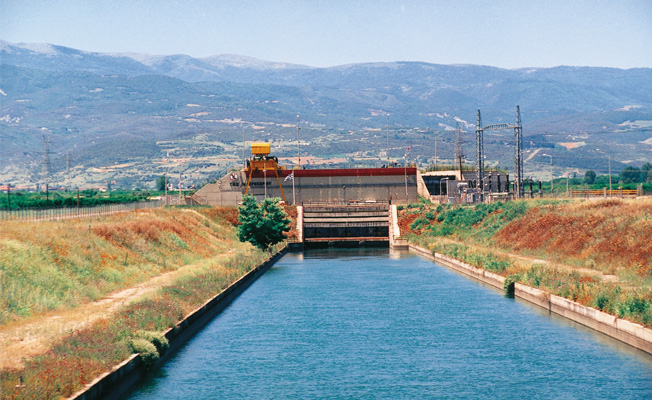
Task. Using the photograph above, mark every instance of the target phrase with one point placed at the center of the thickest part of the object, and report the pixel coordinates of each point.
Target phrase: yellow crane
(262, 161)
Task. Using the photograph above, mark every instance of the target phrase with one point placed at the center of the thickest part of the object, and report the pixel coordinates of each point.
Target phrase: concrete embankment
(628, 332)
(123, 377)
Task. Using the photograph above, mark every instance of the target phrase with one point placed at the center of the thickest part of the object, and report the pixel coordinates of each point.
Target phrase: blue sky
(508, 34)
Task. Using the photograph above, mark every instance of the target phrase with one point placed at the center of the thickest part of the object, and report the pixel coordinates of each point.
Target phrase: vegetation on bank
(117, 251)
(263, 225)
(16, 200)
(60, 264)
(602, 241)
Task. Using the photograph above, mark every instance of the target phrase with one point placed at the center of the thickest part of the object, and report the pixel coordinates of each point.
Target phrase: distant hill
(101, 110)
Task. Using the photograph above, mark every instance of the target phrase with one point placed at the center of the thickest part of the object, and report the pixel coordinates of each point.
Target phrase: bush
(156, 338)
(147, 351)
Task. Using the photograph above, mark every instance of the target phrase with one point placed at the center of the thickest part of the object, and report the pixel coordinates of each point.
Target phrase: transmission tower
(459, 155)
(518, 159)
(479, 150)
(47, 163)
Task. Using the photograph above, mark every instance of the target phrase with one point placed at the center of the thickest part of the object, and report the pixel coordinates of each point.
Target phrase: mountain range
(85, 118)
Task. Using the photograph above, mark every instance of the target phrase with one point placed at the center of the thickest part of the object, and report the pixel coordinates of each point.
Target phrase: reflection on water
(372, 323)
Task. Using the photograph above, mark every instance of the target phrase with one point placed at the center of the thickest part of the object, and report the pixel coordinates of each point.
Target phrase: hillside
(118, 116)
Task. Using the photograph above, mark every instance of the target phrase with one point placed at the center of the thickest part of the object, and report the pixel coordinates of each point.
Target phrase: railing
(605, 193)
(344, 203)
(52, 214)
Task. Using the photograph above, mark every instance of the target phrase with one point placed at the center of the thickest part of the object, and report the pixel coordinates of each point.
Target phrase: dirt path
(532, 260)
(34, 336)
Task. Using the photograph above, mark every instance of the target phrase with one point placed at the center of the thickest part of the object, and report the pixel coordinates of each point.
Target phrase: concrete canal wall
(628, 332)
(126, 375)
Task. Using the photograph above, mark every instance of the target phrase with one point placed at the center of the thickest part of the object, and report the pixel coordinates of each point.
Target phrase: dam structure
(301, 186)
(335, 206)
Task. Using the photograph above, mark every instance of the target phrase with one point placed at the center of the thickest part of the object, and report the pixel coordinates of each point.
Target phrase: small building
(455, 186)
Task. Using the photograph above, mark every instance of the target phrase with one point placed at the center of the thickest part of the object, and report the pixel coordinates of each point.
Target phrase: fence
(605, 193)
(52, 214)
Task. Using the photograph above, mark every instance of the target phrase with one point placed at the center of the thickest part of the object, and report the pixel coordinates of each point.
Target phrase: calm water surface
(351, 324)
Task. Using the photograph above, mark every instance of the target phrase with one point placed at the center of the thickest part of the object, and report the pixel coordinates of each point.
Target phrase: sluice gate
(346, 225)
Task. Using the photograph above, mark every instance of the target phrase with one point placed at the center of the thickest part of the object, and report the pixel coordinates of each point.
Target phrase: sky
(506, 34)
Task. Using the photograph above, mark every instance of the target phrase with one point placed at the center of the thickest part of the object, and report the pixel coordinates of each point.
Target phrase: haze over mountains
(114, 116)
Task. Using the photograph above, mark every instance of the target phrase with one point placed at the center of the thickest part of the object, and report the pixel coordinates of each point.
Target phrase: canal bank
(123, 377)
(370, 323)
(633, 334)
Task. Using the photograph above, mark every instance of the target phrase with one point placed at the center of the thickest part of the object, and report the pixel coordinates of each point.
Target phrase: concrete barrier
(634, 334)
(124, 377)
(479, 274)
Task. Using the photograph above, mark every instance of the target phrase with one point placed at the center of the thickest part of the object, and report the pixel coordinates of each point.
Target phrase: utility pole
(552, 179)
(387, 129)
(567, 180)
(610, 176)
(8, 197)
(47, 163)
(165, 177)
(406, 186)
(552, 183)
(298, 143)
(67, 170)
(179, 184)
(435, 153)
(244, 161)
(458, 148)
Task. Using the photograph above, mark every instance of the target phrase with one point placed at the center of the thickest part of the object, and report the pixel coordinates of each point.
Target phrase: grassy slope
(52, 265)
(597, 239)
(57, 265)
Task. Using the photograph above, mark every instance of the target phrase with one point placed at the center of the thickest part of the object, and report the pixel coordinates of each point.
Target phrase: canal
(367, 323)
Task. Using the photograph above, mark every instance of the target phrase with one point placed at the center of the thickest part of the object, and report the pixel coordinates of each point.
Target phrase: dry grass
(44, 266)
(608, 235)
(61, 264)
(598, 253)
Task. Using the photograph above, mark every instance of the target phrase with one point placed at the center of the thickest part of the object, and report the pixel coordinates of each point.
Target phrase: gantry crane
(262, 161)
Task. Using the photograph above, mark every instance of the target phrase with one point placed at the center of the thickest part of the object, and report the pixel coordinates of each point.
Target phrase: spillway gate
(346, 224)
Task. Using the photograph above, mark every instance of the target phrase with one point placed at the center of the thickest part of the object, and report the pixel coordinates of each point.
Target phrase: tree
(646, 172)
(264, 224)
(589, 177)
(630, 175)
(161, 182)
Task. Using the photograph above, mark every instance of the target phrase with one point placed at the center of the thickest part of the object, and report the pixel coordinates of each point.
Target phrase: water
(364, 324)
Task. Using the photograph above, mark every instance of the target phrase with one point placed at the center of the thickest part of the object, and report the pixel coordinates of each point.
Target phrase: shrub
(418, 223)
(156, 338)
(147, 351)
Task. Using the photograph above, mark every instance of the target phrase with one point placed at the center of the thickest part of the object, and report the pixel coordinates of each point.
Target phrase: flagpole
(294, 198)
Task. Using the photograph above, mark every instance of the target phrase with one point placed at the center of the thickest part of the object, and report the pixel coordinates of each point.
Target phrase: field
(79, 296)
(593, 252)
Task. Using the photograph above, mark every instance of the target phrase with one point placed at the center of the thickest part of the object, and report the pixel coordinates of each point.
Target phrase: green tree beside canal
(264, 224)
